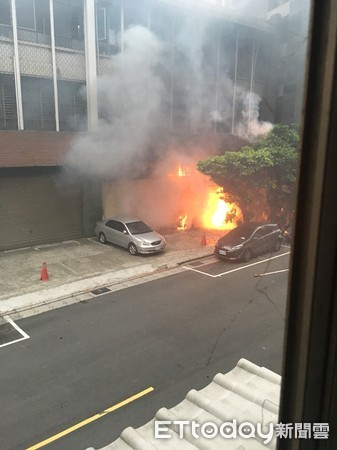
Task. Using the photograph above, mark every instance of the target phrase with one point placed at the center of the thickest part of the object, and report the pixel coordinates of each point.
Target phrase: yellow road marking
(91, 419)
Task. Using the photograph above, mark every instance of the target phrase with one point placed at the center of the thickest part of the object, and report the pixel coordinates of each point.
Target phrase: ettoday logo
(209, 430)
(165, 429)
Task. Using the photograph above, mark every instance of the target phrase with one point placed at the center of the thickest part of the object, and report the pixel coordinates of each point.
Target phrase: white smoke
(135, 102)
(190, 74)
(251, 127)
(131, 104)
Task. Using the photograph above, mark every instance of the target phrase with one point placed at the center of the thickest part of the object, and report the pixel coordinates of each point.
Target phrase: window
(138, 227)
(101, 24)
(111, 224)
(108, 18)
(38, 104)
(25, 14)
(77, 23)
(8, 114)
(72, 106)
(259, 233)
(33, 18)
(69, 26)
(5, 12)
(311, 358)
(120, 227)
(42, 16)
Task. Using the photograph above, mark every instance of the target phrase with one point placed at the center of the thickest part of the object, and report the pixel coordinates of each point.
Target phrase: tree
(259, 177)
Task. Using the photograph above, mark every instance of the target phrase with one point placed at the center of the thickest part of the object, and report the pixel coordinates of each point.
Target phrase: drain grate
(197, 263)
(100, 291)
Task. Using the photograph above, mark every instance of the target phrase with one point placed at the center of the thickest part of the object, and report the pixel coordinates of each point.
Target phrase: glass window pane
(38, 104)
(5, 12)
(101, 23)
(25, 14)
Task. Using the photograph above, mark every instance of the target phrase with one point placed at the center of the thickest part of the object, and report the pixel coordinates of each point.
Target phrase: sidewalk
(75, 268)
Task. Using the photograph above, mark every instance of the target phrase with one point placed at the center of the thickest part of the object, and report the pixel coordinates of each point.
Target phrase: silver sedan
(129, 233)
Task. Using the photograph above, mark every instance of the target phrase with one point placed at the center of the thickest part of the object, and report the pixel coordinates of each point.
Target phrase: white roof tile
(248, 393)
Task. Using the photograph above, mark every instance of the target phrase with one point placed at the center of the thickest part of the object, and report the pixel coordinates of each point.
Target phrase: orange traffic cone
(44, 273)
(203, 239)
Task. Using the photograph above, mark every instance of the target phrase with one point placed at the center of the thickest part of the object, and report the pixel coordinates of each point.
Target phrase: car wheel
(247, 256)
(277, 245)
(133, 249)
(102, 238)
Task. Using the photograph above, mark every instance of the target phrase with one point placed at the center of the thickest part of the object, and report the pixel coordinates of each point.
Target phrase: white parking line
(14, 325)
(270, 273)
(55, 244)
(238, 268)
(95, 241)
(199, 271)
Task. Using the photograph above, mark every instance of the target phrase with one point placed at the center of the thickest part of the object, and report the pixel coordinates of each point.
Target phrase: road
(172, 334)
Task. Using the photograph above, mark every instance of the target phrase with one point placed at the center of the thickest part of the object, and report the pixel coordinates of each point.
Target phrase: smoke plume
(250, 127)
(130, 106)
(159, 87)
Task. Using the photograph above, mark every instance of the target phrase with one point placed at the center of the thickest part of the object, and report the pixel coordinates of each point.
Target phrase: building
(291, 21)
(52, 54)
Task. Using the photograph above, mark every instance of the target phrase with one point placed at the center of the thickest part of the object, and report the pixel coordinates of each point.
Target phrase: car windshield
(138, 227)
(243, 231)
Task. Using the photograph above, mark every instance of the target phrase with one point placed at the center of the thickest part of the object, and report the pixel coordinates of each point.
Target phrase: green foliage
(268, 164)
(244, 163)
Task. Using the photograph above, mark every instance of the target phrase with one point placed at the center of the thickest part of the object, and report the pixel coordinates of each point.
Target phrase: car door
(270, 237)
(258, 242)
(122, 234)
(111, 232)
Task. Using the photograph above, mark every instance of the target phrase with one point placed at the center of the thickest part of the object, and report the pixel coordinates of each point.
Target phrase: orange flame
(182, 223)
(220, 214)
(203, 203)
(183, 171)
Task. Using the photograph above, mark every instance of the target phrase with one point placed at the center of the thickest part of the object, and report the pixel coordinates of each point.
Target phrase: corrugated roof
(248, 393)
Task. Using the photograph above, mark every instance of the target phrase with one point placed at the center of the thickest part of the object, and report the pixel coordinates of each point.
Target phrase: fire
(204, 204)
(220, 214)
(182, 223)
(183, 171)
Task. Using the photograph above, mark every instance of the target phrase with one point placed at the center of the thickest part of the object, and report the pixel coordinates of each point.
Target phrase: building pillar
(235, 80)
(91, 63)
(53, 53)
(17, 74)
(91, 187)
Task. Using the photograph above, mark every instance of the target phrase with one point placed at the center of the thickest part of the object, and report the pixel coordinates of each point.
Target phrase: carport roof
(248, 393)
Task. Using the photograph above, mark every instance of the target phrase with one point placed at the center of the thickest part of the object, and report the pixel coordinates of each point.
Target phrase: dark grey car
(248, 240)
(132, 234)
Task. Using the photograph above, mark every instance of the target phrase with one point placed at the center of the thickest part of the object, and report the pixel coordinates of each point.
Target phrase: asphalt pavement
(77, 268)
(172, 334)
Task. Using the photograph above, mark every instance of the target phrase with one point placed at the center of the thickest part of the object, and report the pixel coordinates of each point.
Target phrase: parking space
(215, 268)
(10, 332)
